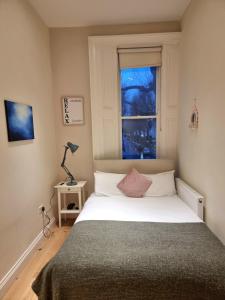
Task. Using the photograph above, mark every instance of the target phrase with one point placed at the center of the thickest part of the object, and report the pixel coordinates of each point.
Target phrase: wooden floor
(21, 287)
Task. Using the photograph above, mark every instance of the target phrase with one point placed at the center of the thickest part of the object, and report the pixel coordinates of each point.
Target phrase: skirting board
(7, 280)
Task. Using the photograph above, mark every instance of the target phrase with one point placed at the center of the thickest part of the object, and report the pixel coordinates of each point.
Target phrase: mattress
(169, 209)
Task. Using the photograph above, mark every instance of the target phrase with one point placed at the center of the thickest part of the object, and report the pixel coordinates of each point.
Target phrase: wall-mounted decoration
(73, 110)
(194, 117)
(19, 118)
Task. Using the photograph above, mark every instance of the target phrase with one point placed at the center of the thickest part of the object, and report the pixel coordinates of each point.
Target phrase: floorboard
(21, 287)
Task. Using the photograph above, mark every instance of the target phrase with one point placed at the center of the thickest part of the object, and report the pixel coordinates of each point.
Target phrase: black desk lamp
(73, 148)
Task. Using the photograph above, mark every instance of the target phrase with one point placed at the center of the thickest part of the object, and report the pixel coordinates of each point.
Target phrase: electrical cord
(45, 215)
(45, 229)
(50, 201)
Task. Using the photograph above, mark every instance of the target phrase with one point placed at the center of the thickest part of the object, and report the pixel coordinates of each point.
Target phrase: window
(139, 112)
(108, 57)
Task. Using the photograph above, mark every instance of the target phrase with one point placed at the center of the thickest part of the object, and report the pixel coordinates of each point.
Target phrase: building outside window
(138, 107)
(139, 81)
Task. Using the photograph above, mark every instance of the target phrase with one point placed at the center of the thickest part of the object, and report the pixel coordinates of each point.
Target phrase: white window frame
(156, 116)
(105, 95)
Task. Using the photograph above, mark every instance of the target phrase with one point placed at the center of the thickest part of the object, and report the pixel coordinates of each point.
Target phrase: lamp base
(71, 182)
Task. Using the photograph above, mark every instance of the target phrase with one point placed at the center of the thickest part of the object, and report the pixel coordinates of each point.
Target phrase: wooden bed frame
(192, 198)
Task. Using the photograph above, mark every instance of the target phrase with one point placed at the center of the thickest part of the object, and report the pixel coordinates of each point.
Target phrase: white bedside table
(64, 189)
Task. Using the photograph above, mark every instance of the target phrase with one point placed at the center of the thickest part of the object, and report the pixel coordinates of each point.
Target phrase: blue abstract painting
(19, 118)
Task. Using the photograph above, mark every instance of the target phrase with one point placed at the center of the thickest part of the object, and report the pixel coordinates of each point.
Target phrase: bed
(137, 248)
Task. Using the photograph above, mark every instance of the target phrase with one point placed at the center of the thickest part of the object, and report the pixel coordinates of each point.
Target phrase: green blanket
(135, 260)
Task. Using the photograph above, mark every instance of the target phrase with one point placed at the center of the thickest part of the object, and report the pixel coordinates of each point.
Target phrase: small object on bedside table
(64, 189)
(71, 205)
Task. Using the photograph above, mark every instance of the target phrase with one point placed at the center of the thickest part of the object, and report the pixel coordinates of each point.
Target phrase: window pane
(139, 139)
(138, 91)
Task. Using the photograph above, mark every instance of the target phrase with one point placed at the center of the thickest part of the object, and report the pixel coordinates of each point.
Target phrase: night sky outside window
(139, 70)
(138, 91)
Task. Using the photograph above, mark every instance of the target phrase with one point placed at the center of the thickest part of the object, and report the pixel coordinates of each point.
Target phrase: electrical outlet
(41, 209)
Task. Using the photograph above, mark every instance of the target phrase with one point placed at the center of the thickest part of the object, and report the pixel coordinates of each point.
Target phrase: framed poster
(73, 110)
(19, 118)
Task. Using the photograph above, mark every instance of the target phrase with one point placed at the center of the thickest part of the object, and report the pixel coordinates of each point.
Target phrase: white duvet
(168, 209)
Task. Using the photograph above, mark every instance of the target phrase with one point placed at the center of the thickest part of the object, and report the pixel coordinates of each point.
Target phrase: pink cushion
(134, 184)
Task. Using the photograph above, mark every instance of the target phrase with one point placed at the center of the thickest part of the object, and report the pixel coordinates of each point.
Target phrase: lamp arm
(64, 157)
(68, 172)
(72, 179)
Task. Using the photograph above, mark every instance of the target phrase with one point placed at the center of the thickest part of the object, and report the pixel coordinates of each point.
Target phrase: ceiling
(71, 13)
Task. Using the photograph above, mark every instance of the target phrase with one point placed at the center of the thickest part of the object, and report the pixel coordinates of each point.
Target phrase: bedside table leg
(59, 208)
(64, 206)
(83, 196)
(80, 200)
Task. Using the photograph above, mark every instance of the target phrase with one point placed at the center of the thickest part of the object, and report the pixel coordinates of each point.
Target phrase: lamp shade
(73, 147)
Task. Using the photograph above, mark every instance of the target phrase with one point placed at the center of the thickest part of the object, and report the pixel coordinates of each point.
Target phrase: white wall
(27, 168)
(201, 153)
(69, 49)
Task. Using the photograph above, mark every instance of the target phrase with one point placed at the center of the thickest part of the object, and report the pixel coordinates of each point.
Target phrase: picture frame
(19, 119)
(73, 110)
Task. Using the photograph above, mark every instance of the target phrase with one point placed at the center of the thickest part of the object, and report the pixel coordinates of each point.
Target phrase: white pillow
(106, 183)
(163, 184)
